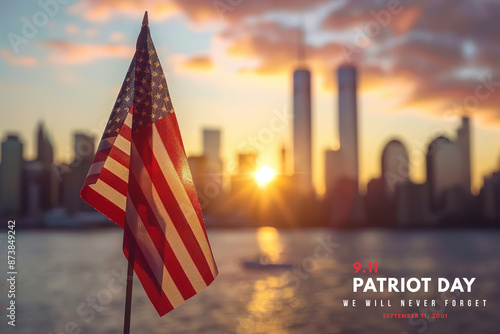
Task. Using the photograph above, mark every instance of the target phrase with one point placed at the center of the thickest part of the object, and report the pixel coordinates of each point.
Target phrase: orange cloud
(103, 10)
(116, 36)
(196, 10)
(68, 52)
(198, 63)
(422, 44)
(12, 59)
(72, 29)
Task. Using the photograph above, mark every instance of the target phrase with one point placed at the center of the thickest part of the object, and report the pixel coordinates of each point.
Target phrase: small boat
(262, 262)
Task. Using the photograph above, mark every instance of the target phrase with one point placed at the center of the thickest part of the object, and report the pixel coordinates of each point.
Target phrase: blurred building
(211, 150)
(48, 183)
(283, 161)
(348, 120)
(448, 170)
(463, 139)
(199, 170)
(380, 201)
(32, 189)
(302, 137)
(490, 198)
(395, 166)
(45, 151)
(376, 203)
(74, 177)
(244, 189)
(342, 199)
(244, 182)
(412, 205)
(334, 169)
(11, 176)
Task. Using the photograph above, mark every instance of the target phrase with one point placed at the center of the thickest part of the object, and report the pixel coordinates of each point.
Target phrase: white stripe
(122, 143)
(174, 182)
(110, 193)
(164, 220)
(128, 120)
(116, 168)
(152, 256)
(96, 167)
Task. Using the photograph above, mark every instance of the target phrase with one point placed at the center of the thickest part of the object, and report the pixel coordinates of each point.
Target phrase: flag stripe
(104, 205)
(181, 196)
(173, 237)
(157, 236)
(141, 180)
(111, 194)
(122, 143)
(120, 156)
(126, 131)
(145, 244)
(175, 150)
(116, 168)
(96, 167)
(114, 181)
(91, 179)
(106, 143)
(102, 154)
(174, 207)
(145, 275)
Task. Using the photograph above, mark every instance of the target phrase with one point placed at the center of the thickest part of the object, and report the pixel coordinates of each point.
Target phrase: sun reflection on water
(269, 243)
(270, 309)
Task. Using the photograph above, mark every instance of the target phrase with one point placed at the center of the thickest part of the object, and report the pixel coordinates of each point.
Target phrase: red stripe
(141, 138)
(120, 156)
(103, 205)
(91, 179)
(158, 237)
(172, 140)
(114, 181)
(102, 155)
(126, 132)
(145, 274)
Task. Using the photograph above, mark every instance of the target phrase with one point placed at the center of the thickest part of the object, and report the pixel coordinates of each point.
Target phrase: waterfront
(73, 280)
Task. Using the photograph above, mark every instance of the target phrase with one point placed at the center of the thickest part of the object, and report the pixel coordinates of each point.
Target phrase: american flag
(141, 180)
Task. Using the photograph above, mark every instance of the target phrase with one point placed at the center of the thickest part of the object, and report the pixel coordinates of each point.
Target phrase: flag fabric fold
(141, 180)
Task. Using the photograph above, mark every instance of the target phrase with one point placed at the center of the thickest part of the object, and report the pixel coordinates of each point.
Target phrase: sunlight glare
(264, 175)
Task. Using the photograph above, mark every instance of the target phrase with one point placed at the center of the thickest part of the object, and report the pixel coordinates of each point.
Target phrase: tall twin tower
(341, 166)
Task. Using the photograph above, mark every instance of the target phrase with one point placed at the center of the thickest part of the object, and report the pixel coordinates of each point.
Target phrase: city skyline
(223, 69)
(211, 144)
(47, 194)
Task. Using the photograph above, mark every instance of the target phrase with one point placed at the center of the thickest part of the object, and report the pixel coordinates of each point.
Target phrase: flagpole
(128, 293)
(130, 268)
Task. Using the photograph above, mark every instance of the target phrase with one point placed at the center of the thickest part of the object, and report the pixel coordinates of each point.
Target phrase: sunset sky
(229, 65)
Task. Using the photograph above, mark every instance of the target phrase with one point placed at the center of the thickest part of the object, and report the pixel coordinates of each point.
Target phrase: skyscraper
(45, 151)
(445, 170)
(211, 144)
(74, 179)
(11, 176)
(211, 151)
(381, 203)
(449, 172)
(348, 120)
(302, 138)
(463, 138)
(48, 184)
(395, 166)
(283, 160)
(341, 166)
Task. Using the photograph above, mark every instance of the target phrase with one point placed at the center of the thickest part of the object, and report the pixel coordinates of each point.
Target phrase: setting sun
(264, 175)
